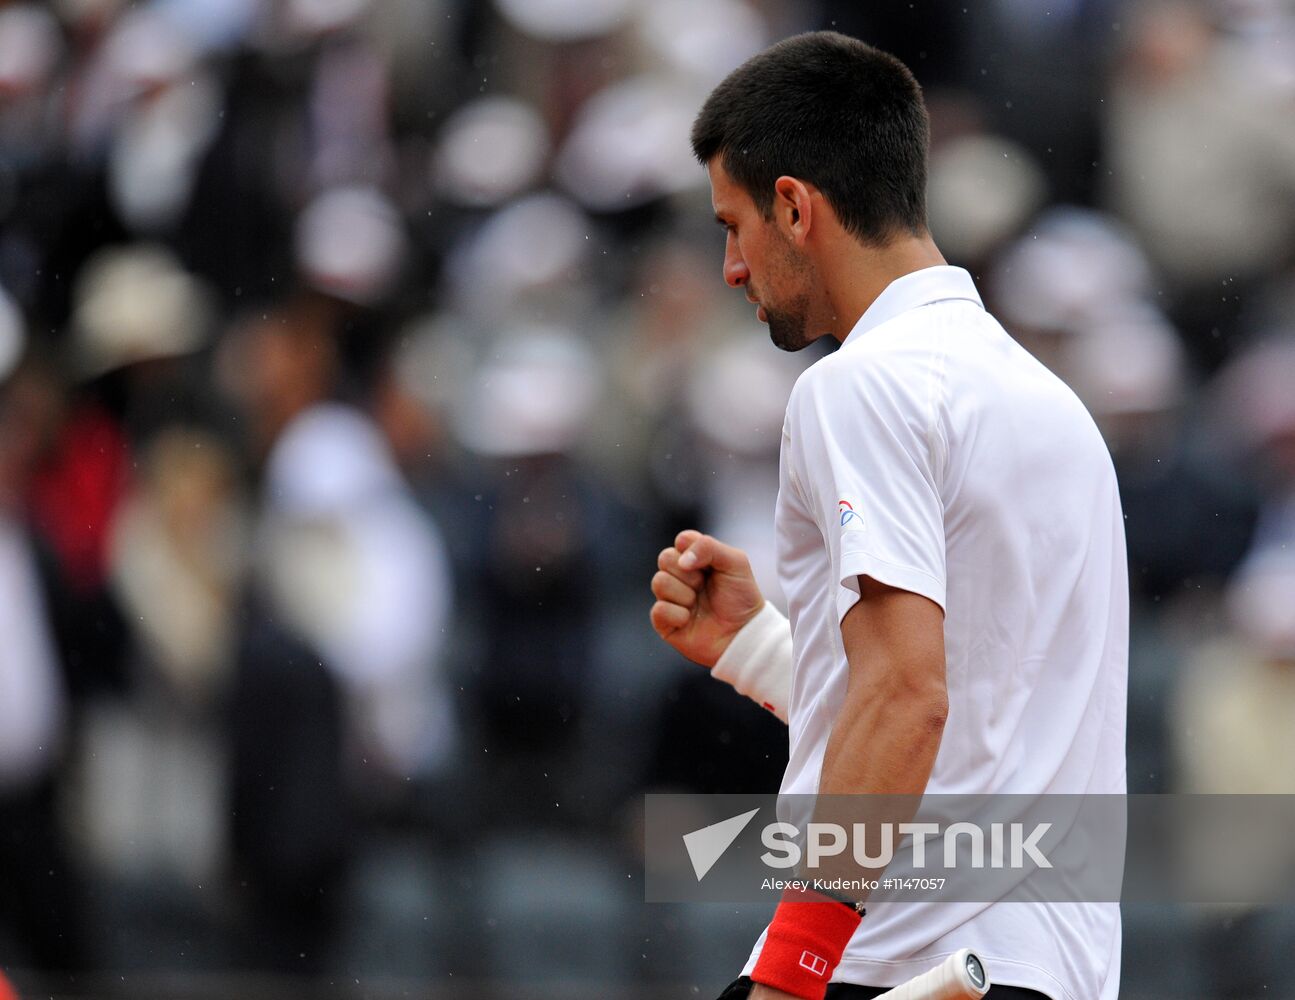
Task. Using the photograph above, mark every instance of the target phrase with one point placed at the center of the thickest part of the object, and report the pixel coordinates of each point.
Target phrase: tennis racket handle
(961, 976)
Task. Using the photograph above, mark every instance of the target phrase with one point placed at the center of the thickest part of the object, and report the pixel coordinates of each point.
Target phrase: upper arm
(886, 735)
(894, 644)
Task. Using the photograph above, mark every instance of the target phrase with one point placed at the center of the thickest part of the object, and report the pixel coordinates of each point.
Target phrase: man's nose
(735, 271)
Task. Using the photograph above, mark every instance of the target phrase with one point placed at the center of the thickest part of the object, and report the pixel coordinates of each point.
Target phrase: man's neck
(856, 274)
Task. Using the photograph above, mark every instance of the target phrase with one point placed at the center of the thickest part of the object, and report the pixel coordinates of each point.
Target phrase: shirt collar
(917, 288)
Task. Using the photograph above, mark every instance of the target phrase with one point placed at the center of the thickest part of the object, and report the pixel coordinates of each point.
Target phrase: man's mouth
(761, 315)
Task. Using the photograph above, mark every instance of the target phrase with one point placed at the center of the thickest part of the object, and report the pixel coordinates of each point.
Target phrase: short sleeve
(865, 458)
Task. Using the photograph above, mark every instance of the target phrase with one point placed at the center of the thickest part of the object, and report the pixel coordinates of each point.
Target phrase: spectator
(347, 557)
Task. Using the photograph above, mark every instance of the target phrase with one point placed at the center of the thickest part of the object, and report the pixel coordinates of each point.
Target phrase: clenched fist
(705, 592)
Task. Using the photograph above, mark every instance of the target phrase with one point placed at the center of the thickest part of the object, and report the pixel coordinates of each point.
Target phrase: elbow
(923, 696)
(925, 704)
(929, 694)
(934, 712)
(918, 707)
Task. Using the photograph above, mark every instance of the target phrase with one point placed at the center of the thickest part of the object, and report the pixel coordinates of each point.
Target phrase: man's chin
(788, 336)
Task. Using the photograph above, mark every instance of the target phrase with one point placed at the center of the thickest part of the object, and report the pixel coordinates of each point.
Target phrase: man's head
(818, 116)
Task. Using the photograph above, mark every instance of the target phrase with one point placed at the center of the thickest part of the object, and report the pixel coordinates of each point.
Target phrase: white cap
(317, 17)
(490, 150)
(630, 145)
(147, 48)
(1073, 267)
(533, 243)
(1132, 362)
(737, 395)
(214, 24)
(351, 243)
(704, 42)
(30, 46)
(982, 190)
(533, 397)
(329, 459)
(1261, 600)
(566, 20)
(136, 303)
(1256, 394)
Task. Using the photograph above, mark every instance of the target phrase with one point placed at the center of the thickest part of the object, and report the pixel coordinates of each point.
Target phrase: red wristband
(804, 944)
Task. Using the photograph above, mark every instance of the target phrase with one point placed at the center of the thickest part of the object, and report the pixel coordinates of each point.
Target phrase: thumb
(704, 552)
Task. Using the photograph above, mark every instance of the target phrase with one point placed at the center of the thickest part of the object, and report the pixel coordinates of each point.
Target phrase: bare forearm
(887, 732)
(884, 745)
(886, 736)
(876, 765)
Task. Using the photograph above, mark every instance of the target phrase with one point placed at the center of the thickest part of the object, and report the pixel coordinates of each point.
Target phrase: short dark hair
(830, 110)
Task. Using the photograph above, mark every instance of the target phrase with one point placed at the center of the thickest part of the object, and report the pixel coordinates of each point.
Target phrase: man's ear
(792, 208)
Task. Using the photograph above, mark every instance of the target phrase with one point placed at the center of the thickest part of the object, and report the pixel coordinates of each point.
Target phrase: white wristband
(757, 661)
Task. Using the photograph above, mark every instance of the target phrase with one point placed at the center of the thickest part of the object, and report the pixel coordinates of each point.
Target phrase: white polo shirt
(934, 454)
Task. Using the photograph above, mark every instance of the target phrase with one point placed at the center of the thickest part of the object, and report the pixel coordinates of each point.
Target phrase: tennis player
(948, 529)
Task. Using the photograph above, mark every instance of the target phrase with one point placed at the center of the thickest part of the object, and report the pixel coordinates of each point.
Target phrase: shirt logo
(849, 515)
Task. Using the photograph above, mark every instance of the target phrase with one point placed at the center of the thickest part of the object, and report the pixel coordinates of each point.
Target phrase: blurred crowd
(358, 356)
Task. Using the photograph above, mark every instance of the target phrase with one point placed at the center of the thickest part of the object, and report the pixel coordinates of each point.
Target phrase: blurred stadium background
(357, 357)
